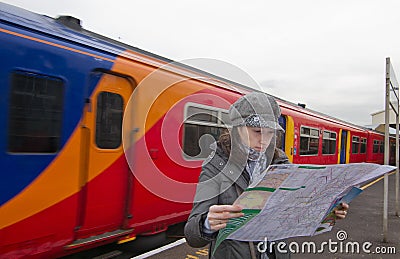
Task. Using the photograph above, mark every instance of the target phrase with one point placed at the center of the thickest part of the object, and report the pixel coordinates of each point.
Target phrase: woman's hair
(225, 141)
(230, 139)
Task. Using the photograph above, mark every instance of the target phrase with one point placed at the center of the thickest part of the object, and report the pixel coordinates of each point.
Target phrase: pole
(386, 157)
(397, 162)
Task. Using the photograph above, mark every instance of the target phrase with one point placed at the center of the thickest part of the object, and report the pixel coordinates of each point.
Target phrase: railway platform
(360, 235)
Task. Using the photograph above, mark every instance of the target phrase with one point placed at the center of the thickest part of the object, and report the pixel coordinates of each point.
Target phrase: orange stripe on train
(61, 178)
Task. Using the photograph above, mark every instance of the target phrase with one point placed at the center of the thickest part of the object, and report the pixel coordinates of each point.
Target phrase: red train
(315, 138)
(101, 140)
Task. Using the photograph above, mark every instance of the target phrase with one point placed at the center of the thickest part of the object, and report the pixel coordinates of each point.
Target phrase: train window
(35, 115)
(109, 120)
(363, 148)
(329, 143)
(355, 145)
(202, 127)
(381, 147)
(197, 146)
(309, 141)
(392, 148)
(375, 148)
(202, 114)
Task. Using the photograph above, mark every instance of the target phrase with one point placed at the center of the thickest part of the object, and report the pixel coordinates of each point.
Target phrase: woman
(239, 161)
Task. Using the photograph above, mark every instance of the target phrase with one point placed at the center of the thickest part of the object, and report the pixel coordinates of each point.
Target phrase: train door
(286, 141)
(104, 175)
(280, 141)
(343, 143)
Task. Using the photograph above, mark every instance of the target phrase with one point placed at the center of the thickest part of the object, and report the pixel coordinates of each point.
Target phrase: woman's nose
(265, 140)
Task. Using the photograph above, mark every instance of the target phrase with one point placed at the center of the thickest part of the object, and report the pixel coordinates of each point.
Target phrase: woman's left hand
(341, 212)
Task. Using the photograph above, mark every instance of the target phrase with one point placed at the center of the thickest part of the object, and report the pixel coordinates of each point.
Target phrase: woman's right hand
(218, 215)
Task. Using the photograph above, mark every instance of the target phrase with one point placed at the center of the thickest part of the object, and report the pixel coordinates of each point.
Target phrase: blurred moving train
(69, 181)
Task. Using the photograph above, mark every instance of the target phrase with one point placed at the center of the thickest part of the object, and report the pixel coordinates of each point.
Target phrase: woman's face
(256, 138)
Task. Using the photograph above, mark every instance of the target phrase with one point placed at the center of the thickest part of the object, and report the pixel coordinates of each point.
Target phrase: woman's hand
(342, 211)
(218, 215)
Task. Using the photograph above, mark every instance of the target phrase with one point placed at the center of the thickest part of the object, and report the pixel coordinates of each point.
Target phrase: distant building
(378, 122)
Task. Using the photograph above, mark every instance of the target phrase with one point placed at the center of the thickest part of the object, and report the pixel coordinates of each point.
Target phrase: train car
(103, 142)
(375, 147)
(392, 151)
(70, 180)
(315, 138)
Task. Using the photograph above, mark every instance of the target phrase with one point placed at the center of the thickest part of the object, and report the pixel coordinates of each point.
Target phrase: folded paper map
(297, 200)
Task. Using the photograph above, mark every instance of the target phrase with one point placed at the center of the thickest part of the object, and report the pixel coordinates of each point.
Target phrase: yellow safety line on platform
(373, 182)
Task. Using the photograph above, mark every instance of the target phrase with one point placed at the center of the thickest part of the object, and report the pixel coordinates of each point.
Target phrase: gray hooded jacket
(219, 184)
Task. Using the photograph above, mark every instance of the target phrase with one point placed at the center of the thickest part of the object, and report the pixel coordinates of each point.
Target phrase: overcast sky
(329, 55)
